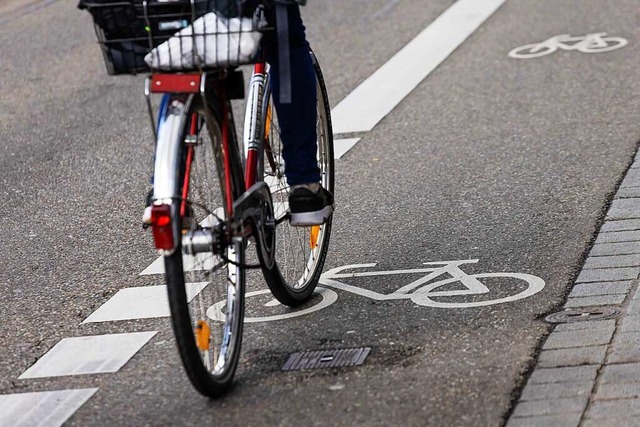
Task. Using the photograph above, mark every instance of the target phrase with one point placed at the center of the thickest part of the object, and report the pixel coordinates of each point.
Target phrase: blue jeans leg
(298, 119)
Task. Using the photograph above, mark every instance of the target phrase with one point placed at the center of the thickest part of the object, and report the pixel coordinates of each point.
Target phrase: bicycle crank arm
(254, 209)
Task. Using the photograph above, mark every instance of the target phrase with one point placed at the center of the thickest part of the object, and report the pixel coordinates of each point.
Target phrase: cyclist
(309, 202)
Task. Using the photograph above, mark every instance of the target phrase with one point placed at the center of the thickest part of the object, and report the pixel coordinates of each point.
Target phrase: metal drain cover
(326, 359)
(584, 315)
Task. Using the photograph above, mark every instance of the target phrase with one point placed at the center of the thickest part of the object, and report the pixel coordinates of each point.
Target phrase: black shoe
(309, 204)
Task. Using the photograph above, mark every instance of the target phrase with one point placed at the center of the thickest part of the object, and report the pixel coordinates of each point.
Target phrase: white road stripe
(341, 146)
(189, 262)
(144, 302)
(370, 102)
(88, 355)
(45, 408)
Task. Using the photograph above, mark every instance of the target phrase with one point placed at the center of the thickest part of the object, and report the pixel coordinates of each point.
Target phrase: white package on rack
(210, 41)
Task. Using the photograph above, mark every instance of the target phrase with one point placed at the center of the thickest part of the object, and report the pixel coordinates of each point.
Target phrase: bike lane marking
(420, 291)
(590, 43)
(426, 287)
(377, 96)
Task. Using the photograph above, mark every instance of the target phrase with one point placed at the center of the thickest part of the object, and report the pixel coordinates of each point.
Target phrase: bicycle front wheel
(300, 251)
(209, 343)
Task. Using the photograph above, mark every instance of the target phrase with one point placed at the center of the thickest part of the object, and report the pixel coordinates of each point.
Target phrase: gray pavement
(513, 162)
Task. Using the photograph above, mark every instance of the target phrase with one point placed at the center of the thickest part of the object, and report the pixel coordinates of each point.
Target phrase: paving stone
(631, 179)
(619, 236)
(615, 299)
(572, 357)
(634, 308)
(614, 408)
(564, 375)
(630, 324)
(600, 288)
(612, 261)
(627, 339)
(564, 420)
(624, 355)
(617, 391)
(607, 274)
(556, 390)
(628, 192)
(590, 324)
(580, 338)
(623, 373)
(621, 225)
(615, 249)
(551, 407)
(625, 208)
(611, 422)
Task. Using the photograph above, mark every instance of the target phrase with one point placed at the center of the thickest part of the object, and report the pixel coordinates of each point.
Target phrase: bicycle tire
(209, 349)
(297, 268)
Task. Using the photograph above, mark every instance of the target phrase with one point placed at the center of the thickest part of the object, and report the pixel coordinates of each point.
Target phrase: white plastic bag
(210, 41)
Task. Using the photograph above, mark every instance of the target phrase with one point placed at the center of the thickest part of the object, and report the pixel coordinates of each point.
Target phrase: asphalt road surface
(508, 161)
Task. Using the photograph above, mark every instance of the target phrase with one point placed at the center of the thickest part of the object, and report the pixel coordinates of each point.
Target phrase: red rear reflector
(163, 221)
(175, 83)
(162, 229)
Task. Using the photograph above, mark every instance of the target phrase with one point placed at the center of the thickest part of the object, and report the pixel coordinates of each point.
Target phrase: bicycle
(211, 199)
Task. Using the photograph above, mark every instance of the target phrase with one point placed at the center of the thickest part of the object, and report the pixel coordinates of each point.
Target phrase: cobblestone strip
(588, 372)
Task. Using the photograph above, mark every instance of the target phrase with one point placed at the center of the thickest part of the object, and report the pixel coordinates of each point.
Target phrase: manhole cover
(577, 315)
(326, 359)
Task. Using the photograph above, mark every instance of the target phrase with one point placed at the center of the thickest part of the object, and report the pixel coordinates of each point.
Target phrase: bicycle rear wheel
(209, 343)
(300, 251)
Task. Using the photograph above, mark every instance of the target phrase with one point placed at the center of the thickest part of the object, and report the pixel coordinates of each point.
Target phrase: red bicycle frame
(253, 153)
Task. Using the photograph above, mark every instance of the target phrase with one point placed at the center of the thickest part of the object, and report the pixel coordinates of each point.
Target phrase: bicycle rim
(300, 251)
(209, 344)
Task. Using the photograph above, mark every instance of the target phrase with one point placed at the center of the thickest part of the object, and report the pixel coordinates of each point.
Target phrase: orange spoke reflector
(267, 125)
(313, 236)
(203, 335)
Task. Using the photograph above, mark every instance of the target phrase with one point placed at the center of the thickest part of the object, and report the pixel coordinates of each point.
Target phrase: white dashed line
(140, 303)
(96, 354)
(190, 263)
(341, 146)
(45, 408)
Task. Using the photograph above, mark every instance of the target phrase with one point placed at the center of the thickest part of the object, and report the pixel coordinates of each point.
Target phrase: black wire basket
(137, 36)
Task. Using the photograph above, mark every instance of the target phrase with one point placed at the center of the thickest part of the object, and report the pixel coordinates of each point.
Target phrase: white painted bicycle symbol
(425, 291)
(591, 43)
